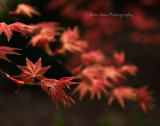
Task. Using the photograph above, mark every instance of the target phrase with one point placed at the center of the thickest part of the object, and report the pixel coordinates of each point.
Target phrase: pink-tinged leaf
(45, 33)
(25, 10)
(54, 97)
(61, 99)
(129, 69)
(113, 74)
(17, 27)
(120, 94)
(83, 91)
(47, 82)
(111, 99)
(7, 50)
(64, 83)
(43, 70)
(121, 101)
(56, 90)
(21, 28)
(47, 49)
(67, 78)
(70, 99)
(6, 29)
(95, 56)
(97, 88)
(24, 68)
(70, 41)
(43, 40)
(47, 28)
(45, 88)
(32, 71)
(94, 86)
(29, 64)
(92, 81)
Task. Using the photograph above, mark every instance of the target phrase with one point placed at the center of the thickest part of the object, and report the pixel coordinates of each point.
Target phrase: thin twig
(2, 72)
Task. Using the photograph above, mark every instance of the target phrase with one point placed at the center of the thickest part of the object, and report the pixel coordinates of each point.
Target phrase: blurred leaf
(59, 121)
(105, 122)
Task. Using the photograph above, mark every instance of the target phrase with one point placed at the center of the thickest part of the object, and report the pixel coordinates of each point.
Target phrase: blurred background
(137, 35)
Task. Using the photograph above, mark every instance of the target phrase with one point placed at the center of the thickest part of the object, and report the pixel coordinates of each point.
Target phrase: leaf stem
(2, 72)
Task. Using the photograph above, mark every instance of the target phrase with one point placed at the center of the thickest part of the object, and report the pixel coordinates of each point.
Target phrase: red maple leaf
(91, 81)
(70, 41)
(32, 71)
(92, 57)
(25, 10)
(55, 88)
(21, 28)
(120, 94)
(94, 86)
(50, 28)
(144, 98)
(7, 50)
(42, 40)
(128, 69)
(6, 29)
(17, 27)
(44, 34)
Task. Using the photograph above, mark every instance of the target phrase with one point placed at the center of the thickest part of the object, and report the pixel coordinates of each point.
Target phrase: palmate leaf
(122, 93)
(145, 99)
(7, 50)
(25, 10)
(16, 27)
(32, 71)
(55, 87)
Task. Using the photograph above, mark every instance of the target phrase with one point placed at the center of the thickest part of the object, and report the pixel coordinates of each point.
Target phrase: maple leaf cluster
(70, 41)
(33, 74)
(105, 74)
(99, 69)
(140, 22)
(97, 78)
(43, 34)
(53, 87)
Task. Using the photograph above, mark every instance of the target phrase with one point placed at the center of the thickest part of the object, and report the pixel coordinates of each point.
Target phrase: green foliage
(59, 121)
(104, 121)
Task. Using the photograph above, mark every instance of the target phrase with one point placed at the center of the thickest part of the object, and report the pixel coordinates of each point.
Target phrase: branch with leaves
(97, 73)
